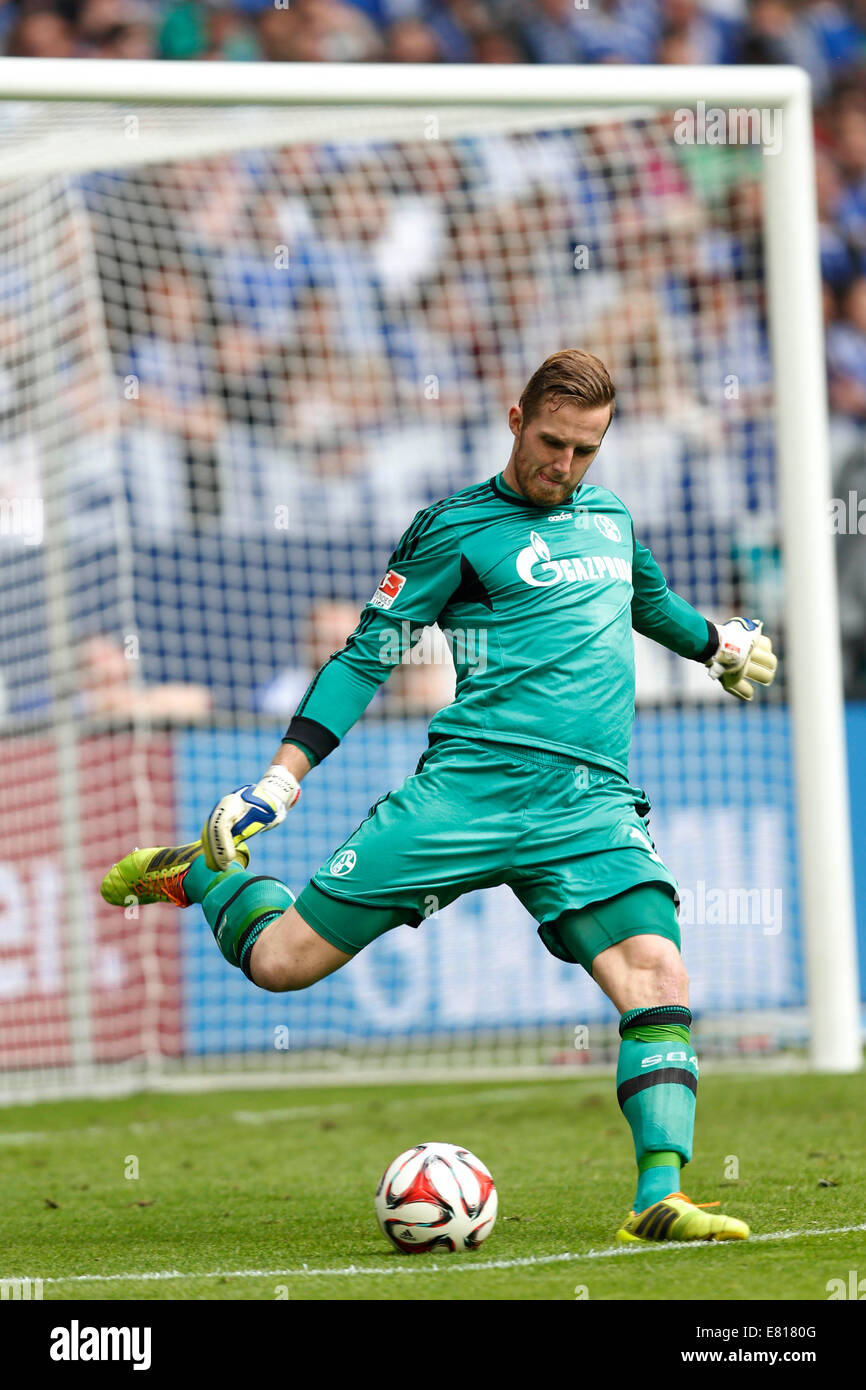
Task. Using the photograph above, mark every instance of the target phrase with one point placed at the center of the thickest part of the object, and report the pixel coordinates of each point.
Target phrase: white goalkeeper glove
(247, 811)
(743, 655)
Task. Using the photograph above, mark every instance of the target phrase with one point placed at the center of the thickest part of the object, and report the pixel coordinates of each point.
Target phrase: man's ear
(515, 420)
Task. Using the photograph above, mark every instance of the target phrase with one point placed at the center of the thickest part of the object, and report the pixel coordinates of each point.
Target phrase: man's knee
(276, 973)
(658, 958)
(642, 970)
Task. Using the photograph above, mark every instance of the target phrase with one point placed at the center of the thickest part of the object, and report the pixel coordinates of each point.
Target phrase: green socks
(238, 905)
(658, 1176)
(656, 1086)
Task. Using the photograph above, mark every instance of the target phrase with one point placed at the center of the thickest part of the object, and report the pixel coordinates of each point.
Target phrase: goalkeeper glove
(247, 811)
(743, 655)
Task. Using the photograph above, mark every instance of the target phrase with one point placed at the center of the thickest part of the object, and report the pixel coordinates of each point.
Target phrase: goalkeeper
(525, 777)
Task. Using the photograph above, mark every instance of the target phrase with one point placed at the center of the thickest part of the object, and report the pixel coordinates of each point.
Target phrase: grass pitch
(269, 1194)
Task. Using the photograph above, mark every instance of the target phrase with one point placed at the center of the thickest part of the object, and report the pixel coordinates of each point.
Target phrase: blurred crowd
(824, 36)
(329, 393)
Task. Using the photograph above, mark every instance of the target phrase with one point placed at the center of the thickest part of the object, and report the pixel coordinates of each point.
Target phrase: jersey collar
(501, 488)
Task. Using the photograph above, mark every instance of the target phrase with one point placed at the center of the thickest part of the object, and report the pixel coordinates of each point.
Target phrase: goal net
(239, 348)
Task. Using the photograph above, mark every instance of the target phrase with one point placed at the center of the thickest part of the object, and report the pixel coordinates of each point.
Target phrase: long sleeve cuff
(311, 737)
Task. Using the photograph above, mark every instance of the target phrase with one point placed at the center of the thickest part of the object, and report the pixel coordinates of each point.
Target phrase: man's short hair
(572, 374)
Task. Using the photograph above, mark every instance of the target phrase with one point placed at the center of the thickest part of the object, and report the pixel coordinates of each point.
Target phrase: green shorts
(563, 835)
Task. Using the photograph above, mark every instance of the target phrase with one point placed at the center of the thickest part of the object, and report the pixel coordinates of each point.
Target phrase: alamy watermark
(853, 1287)
(77, 1343)
(467, 646)
(736, 125)
(846, 516)
(732, 907)
(20, 1289)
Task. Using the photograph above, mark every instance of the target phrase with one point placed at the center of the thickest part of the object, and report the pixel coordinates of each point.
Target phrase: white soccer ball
(436, 1197)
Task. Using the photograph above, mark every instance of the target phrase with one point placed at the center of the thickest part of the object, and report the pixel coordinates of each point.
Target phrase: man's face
(554, 449)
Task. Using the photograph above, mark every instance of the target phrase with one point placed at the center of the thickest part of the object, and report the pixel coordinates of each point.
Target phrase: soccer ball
(436, 1197)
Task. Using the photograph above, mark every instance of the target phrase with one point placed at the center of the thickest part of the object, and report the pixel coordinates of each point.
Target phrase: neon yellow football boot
(676, 1218)
(156, 875)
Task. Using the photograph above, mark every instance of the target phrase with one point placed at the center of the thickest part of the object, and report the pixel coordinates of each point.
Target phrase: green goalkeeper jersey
(537, 605)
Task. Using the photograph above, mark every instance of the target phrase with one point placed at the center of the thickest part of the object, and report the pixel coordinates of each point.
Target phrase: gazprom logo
(535, 566)
(533, 555)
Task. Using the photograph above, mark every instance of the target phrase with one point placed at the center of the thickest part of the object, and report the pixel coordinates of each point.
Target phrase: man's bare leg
(290, 955)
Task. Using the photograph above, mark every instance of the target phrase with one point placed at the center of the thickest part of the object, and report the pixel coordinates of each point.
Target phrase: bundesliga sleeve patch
(388, 589)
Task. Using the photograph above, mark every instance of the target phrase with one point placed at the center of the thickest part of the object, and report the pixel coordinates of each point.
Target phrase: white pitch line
(423, 1267)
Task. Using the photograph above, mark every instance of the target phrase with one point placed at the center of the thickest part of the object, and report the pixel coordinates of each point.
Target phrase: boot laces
(702, 1205)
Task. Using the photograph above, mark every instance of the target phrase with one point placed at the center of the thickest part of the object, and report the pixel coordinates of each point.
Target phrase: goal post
(249, 323)
(814, 679)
